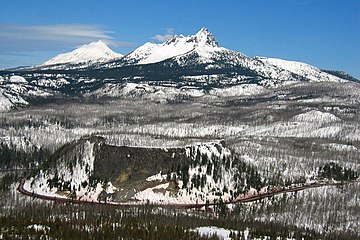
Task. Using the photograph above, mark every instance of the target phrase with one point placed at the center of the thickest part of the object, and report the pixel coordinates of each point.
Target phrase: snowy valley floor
(297, 134)
(285, 216)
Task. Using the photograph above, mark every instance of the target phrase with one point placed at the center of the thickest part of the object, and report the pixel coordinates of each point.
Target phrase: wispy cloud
(161, 38)
(52, 37)
(50, 32)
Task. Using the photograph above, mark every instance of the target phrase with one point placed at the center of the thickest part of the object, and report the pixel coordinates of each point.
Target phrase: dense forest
(23, 217)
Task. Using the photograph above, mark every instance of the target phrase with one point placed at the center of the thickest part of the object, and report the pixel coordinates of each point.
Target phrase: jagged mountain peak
(203, 42)
(205, 36)
(93, 52)
(203, 30)
(202, 37)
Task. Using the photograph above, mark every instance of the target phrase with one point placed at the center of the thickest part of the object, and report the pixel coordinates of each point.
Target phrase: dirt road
(245, 199)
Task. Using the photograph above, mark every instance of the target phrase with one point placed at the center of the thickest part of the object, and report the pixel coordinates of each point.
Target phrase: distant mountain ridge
(92, 52)
(199, 51)
(182, 67)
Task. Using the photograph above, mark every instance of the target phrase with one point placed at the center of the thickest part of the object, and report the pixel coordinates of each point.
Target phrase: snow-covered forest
(296, 135)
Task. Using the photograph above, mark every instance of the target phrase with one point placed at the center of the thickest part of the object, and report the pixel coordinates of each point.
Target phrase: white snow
(92, 52)
(158, 194)
(316, 116)
(239, 90)
(202, 42)
(81, 170)
(222, 233)
(39, 228)
(157, 177)
(157, 93)
(164, 194)
(39, 186)
(55, 83)
(310, 72)
(5, 103)
(17, 79)
(339, 147)
(10, 98)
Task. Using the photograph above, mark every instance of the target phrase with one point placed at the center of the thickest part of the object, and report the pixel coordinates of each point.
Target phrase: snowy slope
(316, 116)
(5, 103)
(310, 72)
(15, 89)
(208, 165)
(17, 79)
(10, 96)
(70, 176)
(92, 52)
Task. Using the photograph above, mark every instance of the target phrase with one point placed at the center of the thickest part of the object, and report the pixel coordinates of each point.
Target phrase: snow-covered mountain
(202, 42)
(201, 53)
(89, 53)
(190, 56)
(181, 67)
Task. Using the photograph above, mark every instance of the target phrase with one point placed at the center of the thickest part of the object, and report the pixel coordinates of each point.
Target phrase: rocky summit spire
(206, 37)
(203, 37)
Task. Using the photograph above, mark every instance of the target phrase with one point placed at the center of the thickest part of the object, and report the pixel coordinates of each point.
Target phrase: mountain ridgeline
(194, 62)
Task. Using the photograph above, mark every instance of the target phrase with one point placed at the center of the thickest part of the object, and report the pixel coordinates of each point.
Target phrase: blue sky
(324, 33)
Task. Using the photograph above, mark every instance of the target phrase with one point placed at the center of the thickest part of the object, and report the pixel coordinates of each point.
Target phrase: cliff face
(136, 163)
